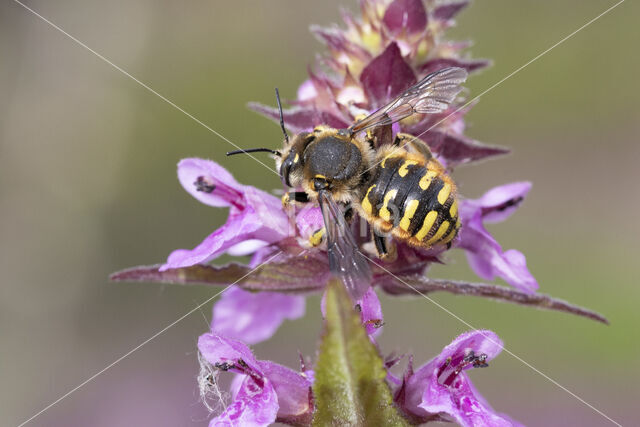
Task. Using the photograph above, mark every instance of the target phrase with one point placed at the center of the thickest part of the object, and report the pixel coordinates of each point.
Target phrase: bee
(395, 184)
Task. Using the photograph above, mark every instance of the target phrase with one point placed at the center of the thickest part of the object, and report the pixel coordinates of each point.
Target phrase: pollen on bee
(316, 238)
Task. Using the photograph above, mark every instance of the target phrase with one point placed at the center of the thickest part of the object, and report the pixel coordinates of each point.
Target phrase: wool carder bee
(394, 183)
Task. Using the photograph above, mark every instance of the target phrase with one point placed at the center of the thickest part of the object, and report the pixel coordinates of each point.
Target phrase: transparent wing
(345, 260)
(433, 94)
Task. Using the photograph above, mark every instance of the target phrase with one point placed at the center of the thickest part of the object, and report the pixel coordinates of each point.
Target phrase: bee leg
(418, 145)
(386, 248)
(294, 197)
(381, 245)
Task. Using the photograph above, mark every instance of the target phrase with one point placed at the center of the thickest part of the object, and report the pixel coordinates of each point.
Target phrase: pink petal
(484, 253)
(487, 259)
(306, 91)
(255, 405)
(254, 215)
(293, 390)
(386, 76)
(369, 308)
(308, 221)
(300, 119)
(263, 392)
(219, 349)
(371, 312)
(447, 11)
(500, 202)
(408, 15)
(237, 229)
(436, 388)
(254, 317)
(225, 192)
(468, 64)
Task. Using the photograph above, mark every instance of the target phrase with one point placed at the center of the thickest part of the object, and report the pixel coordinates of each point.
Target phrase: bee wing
(345, 260)
(433, 94)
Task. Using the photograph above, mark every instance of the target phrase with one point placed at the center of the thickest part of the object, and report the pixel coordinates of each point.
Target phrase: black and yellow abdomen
(413, 198)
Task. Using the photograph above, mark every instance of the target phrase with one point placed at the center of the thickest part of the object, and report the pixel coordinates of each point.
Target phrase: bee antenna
(284, 131)
(254, 150)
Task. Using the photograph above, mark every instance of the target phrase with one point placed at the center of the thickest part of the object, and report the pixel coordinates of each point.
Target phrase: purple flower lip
(452, 367)
(208, 185)
(268, 392)
(440, 390)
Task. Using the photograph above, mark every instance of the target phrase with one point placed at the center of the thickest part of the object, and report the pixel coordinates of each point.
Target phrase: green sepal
(350, 387)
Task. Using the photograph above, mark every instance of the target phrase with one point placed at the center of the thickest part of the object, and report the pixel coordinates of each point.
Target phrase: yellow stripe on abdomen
(443, 195)
(404, 169)
(384, 211)
(426, 225)
(425, 181)
(366, 204)
(436, 237)
(412, 205)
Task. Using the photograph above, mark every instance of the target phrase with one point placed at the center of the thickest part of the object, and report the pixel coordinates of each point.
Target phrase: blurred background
(88, 186)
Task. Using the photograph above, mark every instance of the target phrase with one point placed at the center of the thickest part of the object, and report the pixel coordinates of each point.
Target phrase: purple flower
(254, 317)
(390, 46)
(255, 217)
(268, 392)
(378, 55)
(442, 390)
(483, 252)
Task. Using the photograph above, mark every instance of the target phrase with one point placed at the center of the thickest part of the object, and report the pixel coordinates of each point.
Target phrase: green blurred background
(88, 186)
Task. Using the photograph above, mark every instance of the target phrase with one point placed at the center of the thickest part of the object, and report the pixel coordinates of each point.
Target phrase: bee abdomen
(416, 203)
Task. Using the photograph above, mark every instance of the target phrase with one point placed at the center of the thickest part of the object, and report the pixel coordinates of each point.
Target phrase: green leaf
(282, 274)
(349, 386)
(417, 284)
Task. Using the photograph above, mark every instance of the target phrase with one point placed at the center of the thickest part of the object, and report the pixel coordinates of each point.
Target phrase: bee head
(332, 162)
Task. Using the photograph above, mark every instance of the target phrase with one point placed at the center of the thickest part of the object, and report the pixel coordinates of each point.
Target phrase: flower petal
(255, 405)
(254, 317)
(499, 203)
(263, 392)
(408, 15)
(484, 253)
(306, 91)
(442, 388)
(259, 217)
(301, 119)
(238, 228)
(487, 259)
(217, 349)
(468, 64)
(458, 149)
(293, 389)
(386, 76)
(447, 11)
(309, 220)
(209, 182)
(371, 311)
